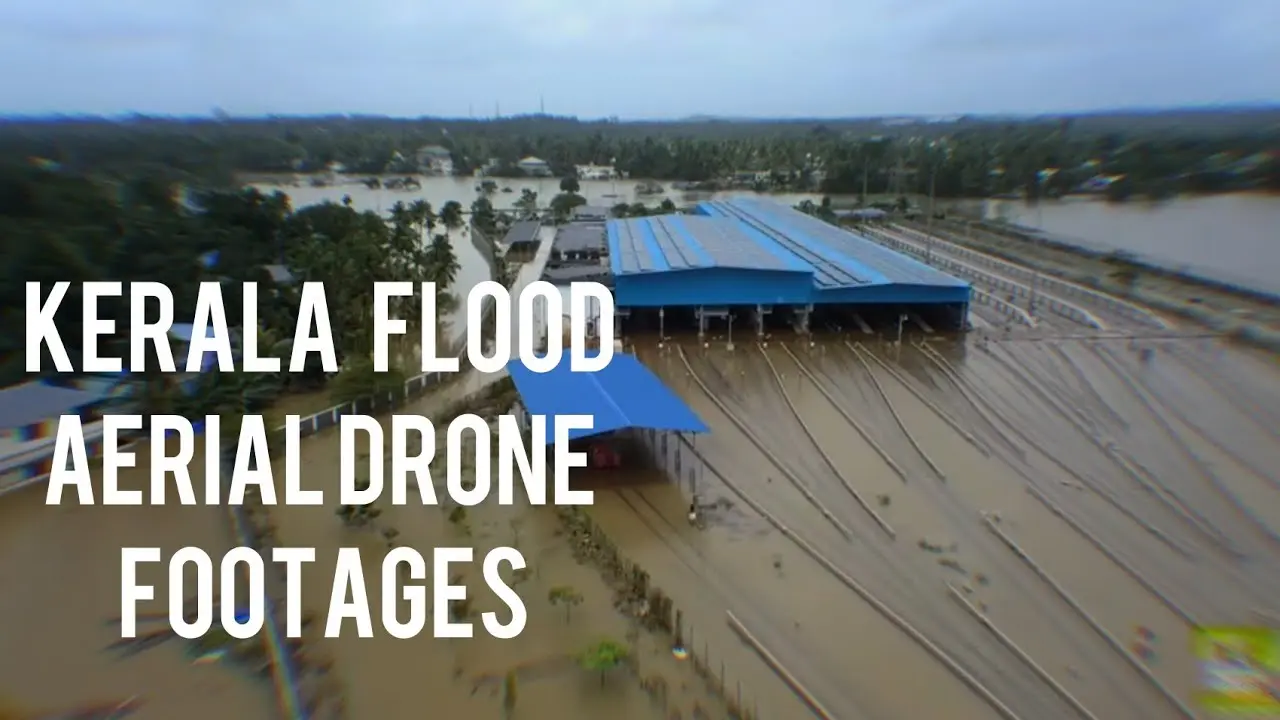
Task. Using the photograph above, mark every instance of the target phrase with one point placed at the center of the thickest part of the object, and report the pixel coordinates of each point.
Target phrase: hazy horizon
(696, 117)
(635, 59)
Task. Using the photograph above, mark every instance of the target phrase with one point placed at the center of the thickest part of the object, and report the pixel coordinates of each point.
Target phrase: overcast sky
(633, 58)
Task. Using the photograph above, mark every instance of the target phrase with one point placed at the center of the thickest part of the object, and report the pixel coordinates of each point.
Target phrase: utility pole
(902, 319)
(928, 223)
(864, 181)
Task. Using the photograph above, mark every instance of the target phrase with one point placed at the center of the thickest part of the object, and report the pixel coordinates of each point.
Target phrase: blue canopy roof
(35, 402)
(625, 394)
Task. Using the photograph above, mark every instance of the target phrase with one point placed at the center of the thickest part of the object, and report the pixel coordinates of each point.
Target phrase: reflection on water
(1225, 237)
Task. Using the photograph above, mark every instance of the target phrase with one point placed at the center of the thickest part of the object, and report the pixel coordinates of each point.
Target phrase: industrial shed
(579, 242)
(521, 241)
(769, 262)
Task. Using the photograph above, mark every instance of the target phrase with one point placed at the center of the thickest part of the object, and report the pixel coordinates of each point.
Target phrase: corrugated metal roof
(522, 232)
(869, 260)
(664, 243)
(35, 402)
(760, 235)
(579, 236)
(829, 269)
(625, 394)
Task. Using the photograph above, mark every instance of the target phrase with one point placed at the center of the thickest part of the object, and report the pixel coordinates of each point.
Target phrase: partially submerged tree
(566, 597)
(527, 204)
(451, 214)
(359, 516)
(510, 693)
(603, 657)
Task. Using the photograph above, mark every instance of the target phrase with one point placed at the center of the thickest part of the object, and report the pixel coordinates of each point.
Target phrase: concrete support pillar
(702, 325)
(662, 324)
(802, 319)
(760, 323)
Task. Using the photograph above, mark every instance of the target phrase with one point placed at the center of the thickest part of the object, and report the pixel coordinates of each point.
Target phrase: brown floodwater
(1064, 441)
(852, 492)
(60, 570)
(389, 678)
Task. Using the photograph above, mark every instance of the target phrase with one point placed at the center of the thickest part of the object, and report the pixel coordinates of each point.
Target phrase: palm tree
(441, 261)
(421, 214)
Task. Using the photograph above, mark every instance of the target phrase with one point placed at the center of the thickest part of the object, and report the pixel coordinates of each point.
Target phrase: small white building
(596, 172)
(536, 167)
(434, 160)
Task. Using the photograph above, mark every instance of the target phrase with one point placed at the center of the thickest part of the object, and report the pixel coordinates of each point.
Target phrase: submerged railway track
(960, 631)
(1100, 450)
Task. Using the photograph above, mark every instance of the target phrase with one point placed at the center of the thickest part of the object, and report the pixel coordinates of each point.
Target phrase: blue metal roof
(625, 394)
(864, 258)
(34, 402)
(663, 243)
(756, 251)
(830, 269)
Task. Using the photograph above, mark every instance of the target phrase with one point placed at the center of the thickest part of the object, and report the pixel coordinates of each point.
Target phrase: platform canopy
(34, 402)
(625, 394)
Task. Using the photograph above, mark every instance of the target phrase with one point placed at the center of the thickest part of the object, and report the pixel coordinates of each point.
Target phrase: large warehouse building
(757, 259)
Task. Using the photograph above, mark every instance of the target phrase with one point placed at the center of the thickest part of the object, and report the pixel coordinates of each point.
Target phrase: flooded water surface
(1225, 237)
(1028, 523)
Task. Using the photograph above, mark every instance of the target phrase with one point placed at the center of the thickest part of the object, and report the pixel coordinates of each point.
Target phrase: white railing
(1058, 286)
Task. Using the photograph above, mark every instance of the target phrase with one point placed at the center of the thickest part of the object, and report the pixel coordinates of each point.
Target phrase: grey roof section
(725, 243)
(578, 273)
(827, 273)
(579, 237)
(34, 402)
(522, 233)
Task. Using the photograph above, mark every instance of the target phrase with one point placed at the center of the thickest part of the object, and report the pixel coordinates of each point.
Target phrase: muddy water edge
(389, 678)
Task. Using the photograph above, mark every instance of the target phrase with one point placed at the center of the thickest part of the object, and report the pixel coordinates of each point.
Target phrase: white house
(536, 167)
(434, 160)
